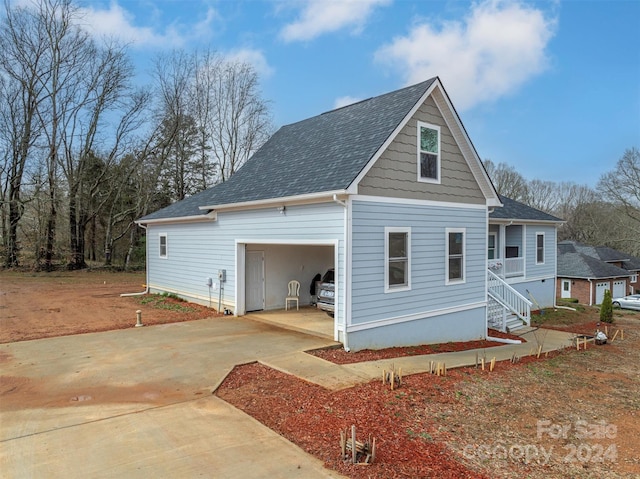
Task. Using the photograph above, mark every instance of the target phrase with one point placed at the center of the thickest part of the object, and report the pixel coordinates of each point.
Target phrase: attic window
(428, 153)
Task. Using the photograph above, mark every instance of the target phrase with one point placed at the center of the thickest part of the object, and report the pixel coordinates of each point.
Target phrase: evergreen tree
(606, 308)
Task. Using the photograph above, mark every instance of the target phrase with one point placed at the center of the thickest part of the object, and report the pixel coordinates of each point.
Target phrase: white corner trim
(413, 317)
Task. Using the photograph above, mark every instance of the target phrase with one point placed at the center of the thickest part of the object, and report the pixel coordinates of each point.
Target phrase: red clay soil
(340, 356)
(59, 304)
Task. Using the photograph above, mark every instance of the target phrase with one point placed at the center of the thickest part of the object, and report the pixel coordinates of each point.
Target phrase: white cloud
(253, 57)
(344, 101)
(116, 22)
(323, 16)
(490, 53)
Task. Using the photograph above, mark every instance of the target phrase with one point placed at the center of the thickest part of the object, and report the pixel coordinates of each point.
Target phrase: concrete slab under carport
(64, 418)
(306, 319)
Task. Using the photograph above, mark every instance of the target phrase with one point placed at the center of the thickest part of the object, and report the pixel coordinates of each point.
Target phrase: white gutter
(311, 197)
(211, 216)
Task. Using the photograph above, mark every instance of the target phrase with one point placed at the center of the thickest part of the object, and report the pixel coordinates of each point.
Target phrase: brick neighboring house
(585, 272)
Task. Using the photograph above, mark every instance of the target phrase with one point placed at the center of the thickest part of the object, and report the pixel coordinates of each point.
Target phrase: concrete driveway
(137, 403)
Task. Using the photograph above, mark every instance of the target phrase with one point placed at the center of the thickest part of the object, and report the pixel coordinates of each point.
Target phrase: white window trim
(496, 251)
(544, 253)
(406, 287)
(464, 256)
(438, 169)
(166, 246)
(634, 278)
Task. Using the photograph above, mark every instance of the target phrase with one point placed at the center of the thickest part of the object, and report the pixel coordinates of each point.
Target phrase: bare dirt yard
(573, 414)
(43, 305)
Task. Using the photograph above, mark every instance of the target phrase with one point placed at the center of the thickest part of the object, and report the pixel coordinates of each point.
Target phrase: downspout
(340, 202)
(146, 268)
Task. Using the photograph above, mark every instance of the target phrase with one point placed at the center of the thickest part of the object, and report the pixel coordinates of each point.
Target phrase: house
(521, 249)
(388, 191)
(585, 272)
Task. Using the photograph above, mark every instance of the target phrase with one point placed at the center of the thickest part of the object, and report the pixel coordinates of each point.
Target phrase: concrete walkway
(335, 377)
(137, 403)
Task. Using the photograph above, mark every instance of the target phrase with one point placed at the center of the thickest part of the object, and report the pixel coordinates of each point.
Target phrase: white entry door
(254, 289)
(566, 288)
(600, 289)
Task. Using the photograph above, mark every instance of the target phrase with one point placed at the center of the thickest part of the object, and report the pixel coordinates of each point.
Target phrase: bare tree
(22, 65)
(621, 186)
(507, 180)
(242, 122)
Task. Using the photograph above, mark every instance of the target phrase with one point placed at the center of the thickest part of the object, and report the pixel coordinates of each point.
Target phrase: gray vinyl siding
(459, 326)
(428, 291)
(514, 238)
(196, 251)
(548, 269)
(543, 291)
(395, 173)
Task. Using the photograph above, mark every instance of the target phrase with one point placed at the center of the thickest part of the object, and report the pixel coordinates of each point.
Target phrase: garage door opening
(265, 270)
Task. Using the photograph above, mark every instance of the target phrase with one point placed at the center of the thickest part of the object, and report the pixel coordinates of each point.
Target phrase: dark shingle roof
(580, 265)
(321, 154)
(514, 210)
(603, 253)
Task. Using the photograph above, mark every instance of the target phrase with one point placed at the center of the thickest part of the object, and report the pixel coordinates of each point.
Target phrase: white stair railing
(511, 299)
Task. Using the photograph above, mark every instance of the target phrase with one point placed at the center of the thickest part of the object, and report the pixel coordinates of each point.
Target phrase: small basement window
(162, 245)
(428, 153)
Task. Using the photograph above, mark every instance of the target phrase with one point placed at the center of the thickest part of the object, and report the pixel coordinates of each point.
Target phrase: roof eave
(318, 197)
(525, 221)
(211, 216)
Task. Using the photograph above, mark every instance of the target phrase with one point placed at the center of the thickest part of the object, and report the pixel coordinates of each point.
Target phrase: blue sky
(551, 88)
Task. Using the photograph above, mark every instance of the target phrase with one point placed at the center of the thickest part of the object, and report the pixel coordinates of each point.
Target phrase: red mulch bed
(340, 356)
(312, 417)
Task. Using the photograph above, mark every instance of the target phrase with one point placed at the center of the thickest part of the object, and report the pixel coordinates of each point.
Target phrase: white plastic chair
(293, 294)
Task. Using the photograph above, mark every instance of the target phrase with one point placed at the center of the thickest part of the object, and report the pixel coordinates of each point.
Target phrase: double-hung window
(455, 255)
(428, 153)
(397, 272)
(539, 248)
(162, 244)
(491, 246)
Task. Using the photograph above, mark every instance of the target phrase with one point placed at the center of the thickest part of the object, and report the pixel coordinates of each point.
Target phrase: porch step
(514, 323)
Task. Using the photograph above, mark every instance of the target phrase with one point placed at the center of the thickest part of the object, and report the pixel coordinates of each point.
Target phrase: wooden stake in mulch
(492, 365)
(364, 453)
(615, 335)
(392, 378)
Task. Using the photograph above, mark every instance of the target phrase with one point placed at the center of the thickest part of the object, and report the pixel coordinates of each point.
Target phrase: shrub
(606, 308)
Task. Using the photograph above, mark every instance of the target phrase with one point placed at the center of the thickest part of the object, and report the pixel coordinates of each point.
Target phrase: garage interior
(268, 270)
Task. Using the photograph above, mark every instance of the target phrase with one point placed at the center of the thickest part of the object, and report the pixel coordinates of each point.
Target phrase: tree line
(605, 215)
(84, 151)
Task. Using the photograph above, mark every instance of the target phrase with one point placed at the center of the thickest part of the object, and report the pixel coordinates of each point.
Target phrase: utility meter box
(222, 275)
(209, 282)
